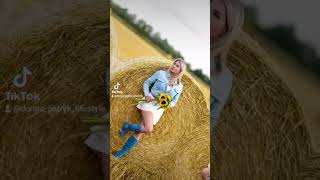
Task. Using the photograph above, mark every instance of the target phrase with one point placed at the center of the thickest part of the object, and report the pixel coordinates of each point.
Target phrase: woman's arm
(147, 84)
(215, 109)
(220, 91)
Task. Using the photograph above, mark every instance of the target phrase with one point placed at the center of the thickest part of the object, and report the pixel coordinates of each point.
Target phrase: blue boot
(131, 142)
(129, 127)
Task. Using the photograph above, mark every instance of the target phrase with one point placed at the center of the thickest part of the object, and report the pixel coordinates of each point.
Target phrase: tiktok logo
(116, 89)
(21, 80)
(117, 86)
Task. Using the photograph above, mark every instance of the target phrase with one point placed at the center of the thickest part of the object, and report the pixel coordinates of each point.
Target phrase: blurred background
(157, 23)
(38, 137)
(18, 16)
(288, 31)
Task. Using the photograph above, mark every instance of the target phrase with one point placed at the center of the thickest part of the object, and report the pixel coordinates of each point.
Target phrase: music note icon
(21, 80)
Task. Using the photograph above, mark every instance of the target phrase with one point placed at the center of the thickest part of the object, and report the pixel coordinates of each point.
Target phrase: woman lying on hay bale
(161, 82)
(226, 22)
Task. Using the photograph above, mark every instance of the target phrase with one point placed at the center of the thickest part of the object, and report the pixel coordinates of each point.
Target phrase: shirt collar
(169, 76)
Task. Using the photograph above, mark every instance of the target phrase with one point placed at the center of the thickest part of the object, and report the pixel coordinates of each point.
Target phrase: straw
(178, 147)
(261, 134)
(68, 60)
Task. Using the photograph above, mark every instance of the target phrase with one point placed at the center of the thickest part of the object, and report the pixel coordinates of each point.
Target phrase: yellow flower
(164, 100)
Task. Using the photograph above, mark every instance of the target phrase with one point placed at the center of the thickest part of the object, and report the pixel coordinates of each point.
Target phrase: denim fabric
(157, 84)
(221, 85)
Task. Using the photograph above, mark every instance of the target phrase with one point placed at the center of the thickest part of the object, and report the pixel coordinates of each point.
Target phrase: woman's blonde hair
(183, 67)
(234, 22)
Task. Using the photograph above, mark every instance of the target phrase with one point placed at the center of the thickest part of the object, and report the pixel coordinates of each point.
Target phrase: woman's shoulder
(161, 71)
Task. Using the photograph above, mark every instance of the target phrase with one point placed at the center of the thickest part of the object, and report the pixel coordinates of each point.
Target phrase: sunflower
(164, 100)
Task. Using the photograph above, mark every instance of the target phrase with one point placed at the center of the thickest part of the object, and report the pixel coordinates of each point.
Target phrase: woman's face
(176, 67)
(218, 19)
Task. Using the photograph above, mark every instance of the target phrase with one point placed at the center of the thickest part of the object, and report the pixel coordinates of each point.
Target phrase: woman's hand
(149, 98)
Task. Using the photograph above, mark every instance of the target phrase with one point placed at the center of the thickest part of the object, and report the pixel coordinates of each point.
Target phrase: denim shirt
(221, 86)
(158, 83)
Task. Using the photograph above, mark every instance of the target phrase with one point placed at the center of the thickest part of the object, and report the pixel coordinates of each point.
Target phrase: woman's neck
(172, 78)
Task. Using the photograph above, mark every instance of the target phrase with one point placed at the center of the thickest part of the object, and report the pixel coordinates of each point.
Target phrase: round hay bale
(181, 135)
(261, 133)
(68, 64)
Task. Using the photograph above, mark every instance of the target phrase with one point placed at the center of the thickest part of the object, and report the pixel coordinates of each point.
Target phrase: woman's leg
(138, 136)
(146, 127)
(147, 118)
(205, 173)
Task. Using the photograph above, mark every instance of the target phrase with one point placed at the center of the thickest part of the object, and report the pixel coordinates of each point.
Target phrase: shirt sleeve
(220, 92)
(147, 84)
(216, 107)
(175, 99)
